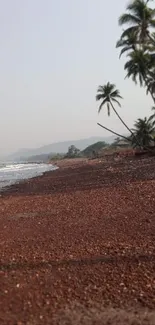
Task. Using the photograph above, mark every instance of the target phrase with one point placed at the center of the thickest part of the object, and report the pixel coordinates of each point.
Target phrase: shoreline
(64, 164)
(79, 235)
(26, 179)
(68, 167)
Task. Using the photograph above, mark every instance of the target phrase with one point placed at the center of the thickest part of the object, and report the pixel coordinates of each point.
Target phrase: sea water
(12, 173)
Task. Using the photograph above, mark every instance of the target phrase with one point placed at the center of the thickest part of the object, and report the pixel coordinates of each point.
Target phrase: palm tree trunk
(122, 136)
(139, 145)
(119, 135)
(121, 119)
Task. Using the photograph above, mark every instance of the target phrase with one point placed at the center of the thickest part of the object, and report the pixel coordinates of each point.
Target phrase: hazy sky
(53, 56)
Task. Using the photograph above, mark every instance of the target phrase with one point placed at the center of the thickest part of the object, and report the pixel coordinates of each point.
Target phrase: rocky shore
(77, 246)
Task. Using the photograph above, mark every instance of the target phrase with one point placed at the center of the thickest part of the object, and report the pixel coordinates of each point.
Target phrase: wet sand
(82, 236)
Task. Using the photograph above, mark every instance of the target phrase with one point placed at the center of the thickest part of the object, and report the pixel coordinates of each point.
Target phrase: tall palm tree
(143, 131)
(139, 39)
(141, 18)
(108, 95)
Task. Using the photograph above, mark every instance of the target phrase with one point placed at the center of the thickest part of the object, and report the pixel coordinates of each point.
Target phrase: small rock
(122, 284)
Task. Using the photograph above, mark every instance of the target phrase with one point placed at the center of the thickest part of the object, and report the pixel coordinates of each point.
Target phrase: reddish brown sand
(76, 243)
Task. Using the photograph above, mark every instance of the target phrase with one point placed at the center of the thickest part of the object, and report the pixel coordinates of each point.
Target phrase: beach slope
(79, 240)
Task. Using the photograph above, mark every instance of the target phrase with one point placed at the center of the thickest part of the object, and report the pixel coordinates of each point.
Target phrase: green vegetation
(89, 152)
(137, 41)
(93, 150)
(121, 143)
(144, 131)
(73, 152)
(57, 156)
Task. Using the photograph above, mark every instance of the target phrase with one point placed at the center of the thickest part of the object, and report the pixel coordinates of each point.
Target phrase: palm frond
(116, 94)
(125, 49)
(100, 89)
(128, 19)
(136, 5)
(102, 104)
(116, 101)
(130, 30)
(110, 87)
(121, 42)
(99, 97)
(152, 117)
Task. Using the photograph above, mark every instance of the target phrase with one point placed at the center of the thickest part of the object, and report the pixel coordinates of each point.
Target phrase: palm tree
(141, 18)
(109, 94)
(143, 131)
(139, 39)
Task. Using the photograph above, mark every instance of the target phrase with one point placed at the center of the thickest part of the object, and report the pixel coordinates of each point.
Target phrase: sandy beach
(77, 245)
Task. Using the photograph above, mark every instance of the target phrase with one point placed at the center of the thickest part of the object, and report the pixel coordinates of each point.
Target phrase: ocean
(12, 173)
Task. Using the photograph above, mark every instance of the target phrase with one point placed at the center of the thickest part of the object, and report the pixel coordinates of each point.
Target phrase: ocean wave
(13, 173)
(15, 167)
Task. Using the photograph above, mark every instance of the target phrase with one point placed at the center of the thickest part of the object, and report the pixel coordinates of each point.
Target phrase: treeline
(93, 150)
(137, 41)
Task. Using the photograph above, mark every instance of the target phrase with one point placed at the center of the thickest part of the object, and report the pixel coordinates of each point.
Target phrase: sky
(54, 54)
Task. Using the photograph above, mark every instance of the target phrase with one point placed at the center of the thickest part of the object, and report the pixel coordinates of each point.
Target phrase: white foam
(13, 173)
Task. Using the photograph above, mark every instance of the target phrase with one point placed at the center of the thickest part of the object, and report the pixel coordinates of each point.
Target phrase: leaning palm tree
(108, 94)
(143, 131)
(141, 18)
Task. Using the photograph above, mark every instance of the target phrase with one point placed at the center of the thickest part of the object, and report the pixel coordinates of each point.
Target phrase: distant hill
(59, 147)
(38, 158)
